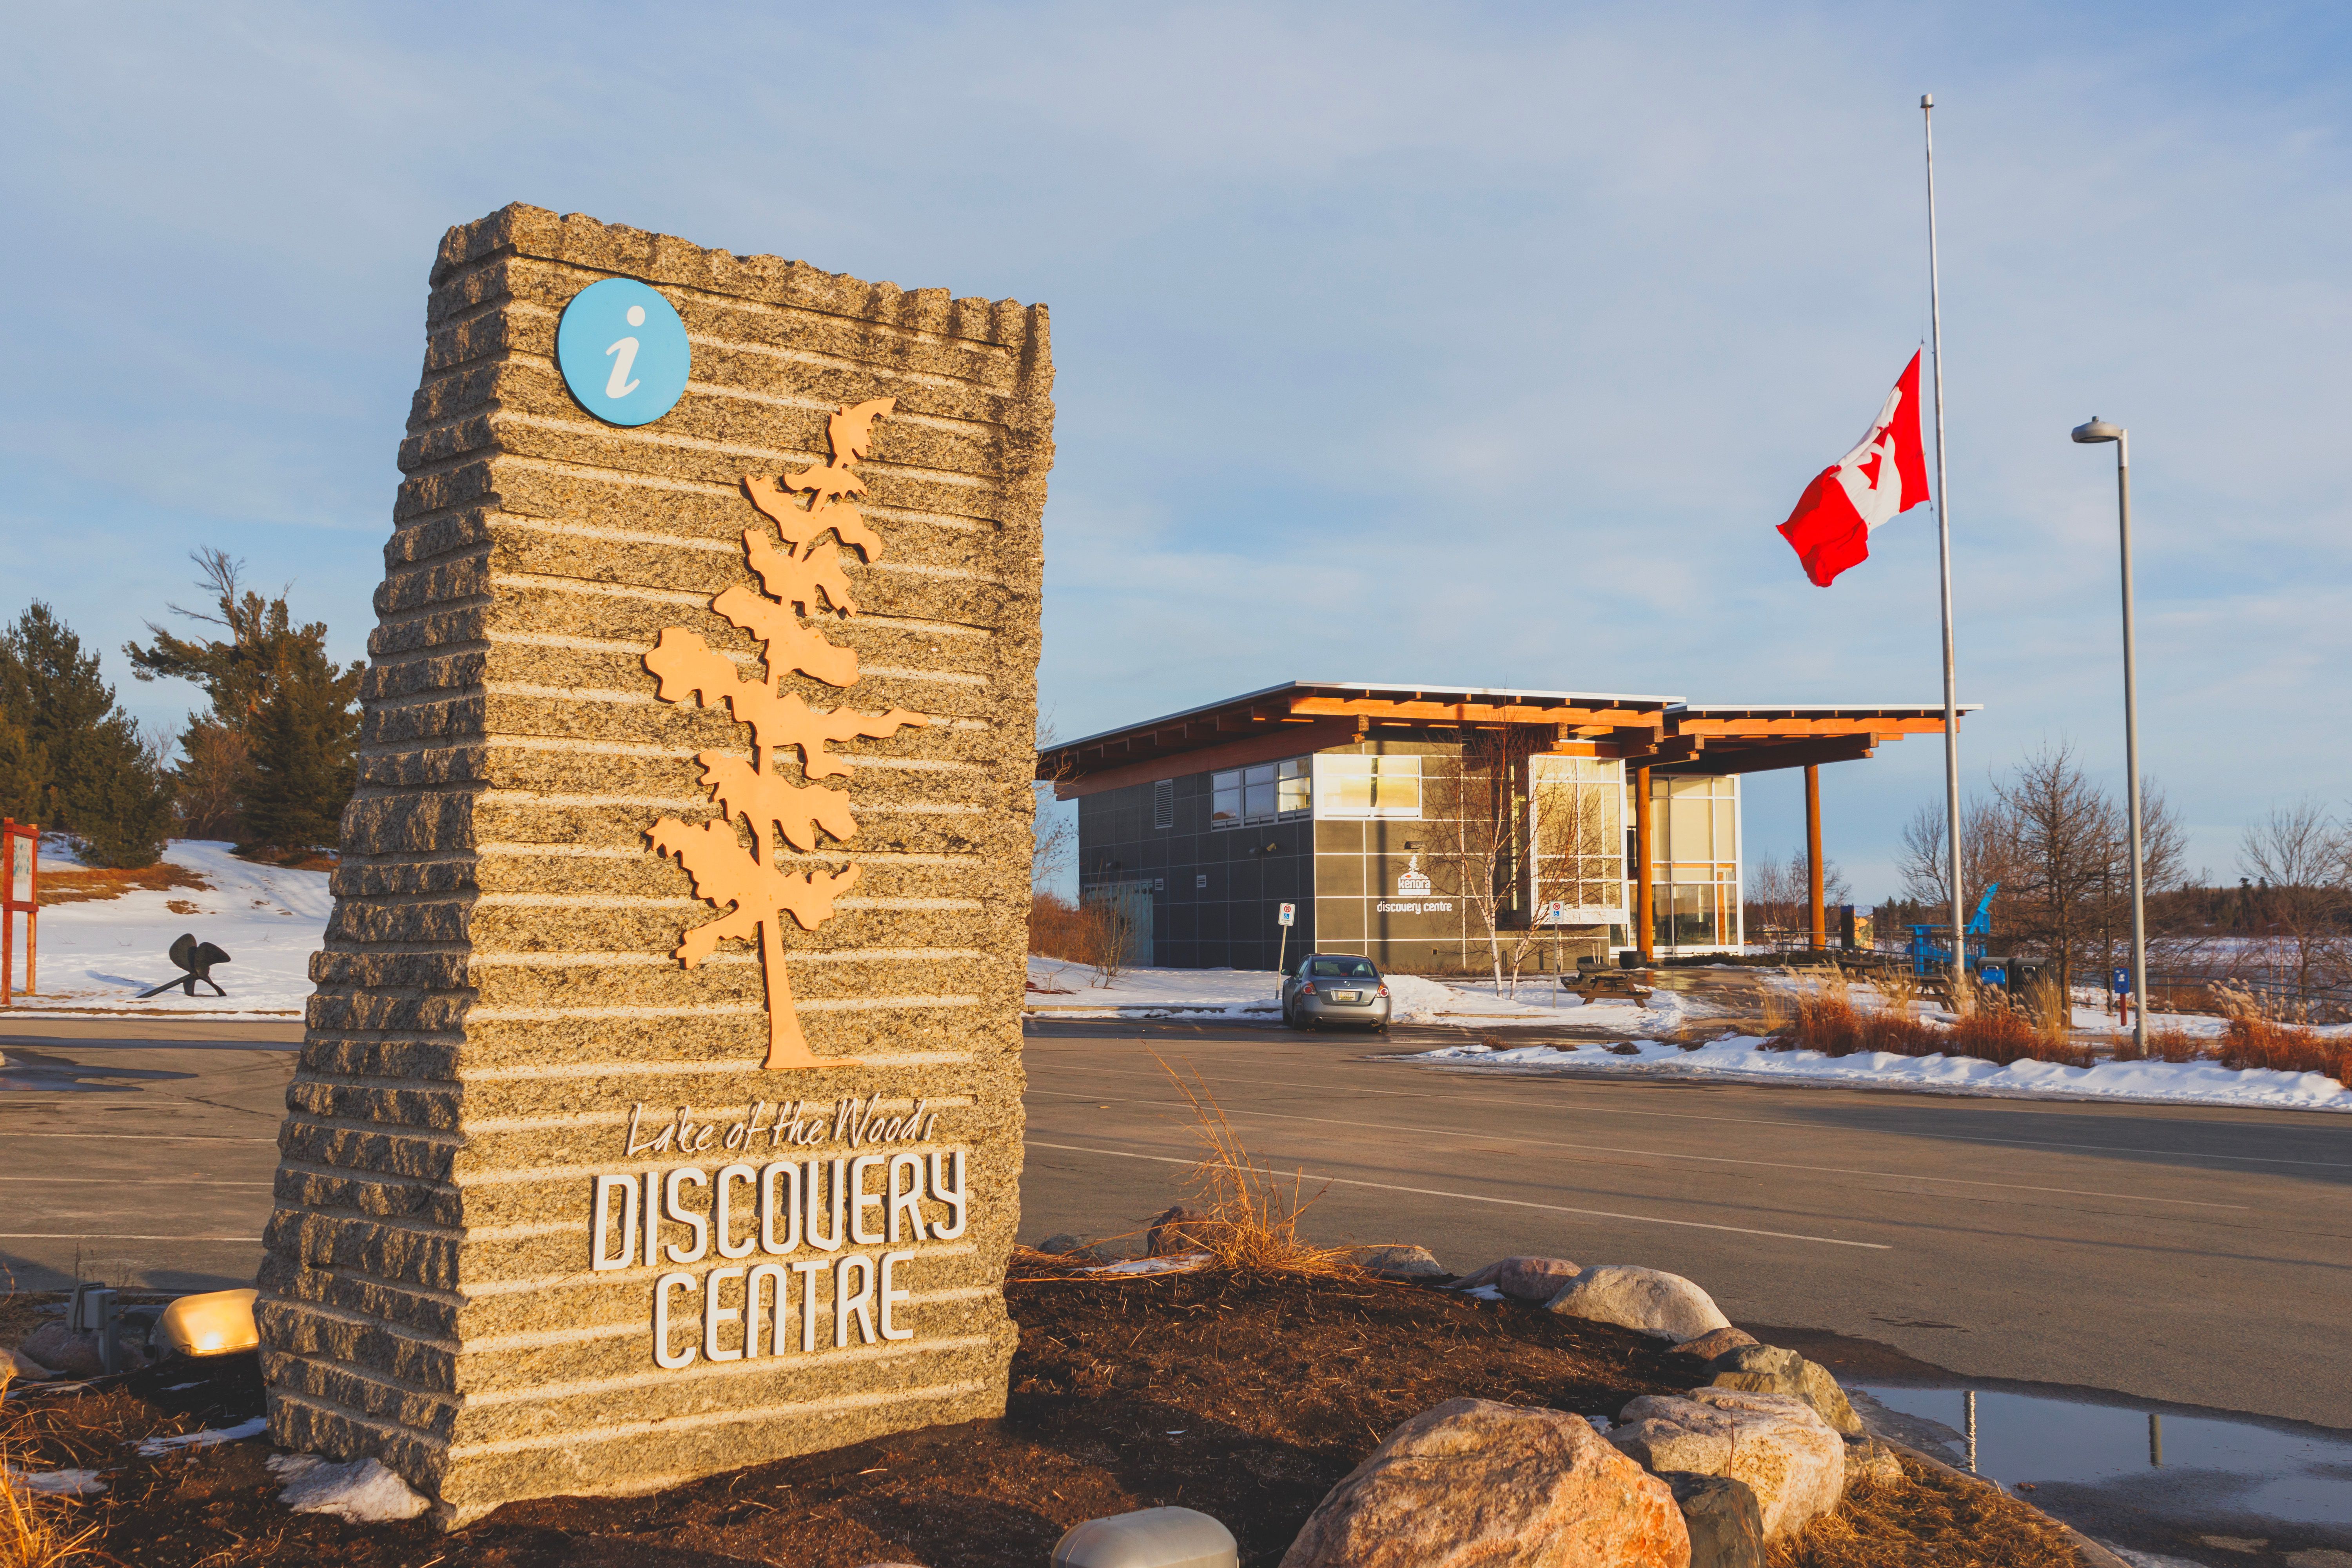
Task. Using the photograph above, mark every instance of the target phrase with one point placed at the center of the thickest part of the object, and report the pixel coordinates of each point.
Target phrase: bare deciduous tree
(1471, 811)
(1780, 894)
(2059, 847)
(1926, 857)
(2299, 853)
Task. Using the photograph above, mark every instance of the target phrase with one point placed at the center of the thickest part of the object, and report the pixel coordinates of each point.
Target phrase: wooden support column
(1644, 927)
(1813, 855)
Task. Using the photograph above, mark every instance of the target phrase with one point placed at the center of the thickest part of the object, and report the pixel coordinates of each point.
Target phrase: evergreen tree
(69, 757)
(24, 772)
(305, 757)
(274, 762)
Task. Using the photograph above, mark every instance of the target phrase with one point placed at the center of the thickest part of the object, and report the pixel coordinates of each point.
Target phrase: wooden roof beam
(1797, 754)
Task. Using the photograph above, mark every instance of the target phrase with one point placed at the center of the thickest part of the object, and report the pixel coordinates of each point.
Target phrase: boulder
(1870, 1463)
(1715, 1343)
(1474, 1484)
(73, 1352)
(25, 1366)
(1181, 1228)
(1727, 1527)
(1650, 1299)
(1068, 1245)
(1523, 1279)
(1777, 1443)
(1767, 1369)
(1400, 1262)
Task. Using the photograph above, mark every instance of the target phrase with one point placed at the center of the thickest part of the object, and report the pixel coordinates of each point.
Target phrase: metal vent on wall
(1163, 804)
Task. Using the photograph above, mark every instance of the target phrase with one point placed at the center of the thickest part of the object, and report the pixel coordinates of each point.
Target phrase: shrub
(1826, 1020)
(2251, 1040)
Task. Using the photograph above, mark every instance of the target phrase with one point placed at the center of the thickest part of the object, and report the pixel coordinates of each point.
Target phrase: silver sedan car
(1334, 988)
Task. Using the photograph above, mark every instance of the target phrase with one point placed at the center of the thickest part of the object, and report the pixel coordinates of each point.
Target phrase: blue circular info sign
(623, 352)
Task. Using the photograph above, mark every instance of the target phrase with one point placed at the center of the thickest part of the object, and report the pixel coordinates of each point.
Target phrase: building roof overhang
(1302, 716)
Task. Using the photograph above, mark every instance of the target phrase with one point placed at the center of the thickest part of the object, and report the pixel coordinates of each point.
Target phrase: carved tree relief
(803, 583)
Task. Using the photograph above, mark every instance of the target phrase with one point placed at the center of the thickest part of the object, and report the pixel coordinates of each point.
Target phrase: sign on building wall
(659, 1105)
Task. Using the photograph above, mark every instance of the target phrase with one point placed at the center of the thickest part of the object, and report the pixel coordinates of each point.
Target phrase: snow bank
(361, 1491)
(1740, 1057)
(1253, 993)
(102, 953)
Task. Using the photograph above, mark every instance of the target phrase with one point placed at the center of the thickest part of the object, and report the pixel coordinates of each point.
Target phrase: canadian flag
(1885, 476)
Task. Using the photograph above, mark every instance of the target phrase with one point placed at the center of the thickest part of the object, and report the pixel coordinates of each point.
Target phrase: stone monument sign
(658, 1112)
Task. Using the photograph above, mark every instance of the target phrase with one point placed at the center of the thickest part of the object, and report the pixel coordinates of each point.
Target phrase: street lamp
(2091, 434)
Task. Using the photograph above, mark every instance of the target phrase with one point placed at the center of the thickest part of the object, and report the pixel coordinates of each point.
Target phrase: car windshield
(1341, 969)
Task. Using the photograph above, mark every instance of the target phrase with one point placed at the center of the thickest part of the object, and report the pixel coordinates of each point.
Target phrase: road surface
(2197, 1256)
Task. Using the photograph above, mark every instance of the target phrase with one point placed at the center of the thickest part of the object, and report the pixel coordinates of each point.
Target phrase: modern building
(1408, 822)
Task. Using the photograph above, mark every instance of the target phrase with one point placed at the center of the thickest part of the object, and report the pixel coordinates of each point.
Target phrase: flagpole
(1944, 556)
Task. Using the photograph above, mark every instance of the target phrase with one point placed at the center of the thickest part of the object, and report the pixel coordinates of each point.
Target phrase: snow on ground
(203, 1437)
(1739, 1057)
(55, 1483)
(1412, 999)
(100, 953)
(361, 1490)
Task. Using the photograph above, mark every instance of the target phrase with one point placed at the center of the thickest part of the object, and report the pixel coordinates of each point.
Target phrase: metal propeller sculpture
(196, 960)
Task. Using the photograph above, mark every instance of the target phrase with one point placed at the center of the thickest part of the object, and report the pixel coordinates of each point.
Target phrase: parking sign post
(1285, 916)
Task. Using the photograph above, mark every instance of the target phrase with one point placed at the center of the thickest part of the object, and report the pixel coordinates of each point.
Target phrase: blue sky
(1480, 344)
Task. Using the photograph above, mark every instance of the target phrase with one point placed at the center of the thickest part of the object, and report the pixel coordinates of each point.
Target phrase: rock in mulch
(1767, 1369)
(1871, 1463)
(1180, 1229)
(1649, 1299)
(1400, 1262)
(1725, 1525)
(1523, 1279)
(25, 1366)
(1472, 1482)
(73, 1352)
(1065, 1245)
(1777, 1443)
(1716, 1343)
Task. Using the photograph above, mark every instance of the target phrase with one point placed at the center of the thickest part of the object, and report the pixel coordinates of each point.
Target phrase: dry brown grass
(2251, 1040)
(82, 885)
(1825, 1019)
(1927, 1519)
(2164, 1045)
(35, 1531)
(1249, 1215)
(1095, 933)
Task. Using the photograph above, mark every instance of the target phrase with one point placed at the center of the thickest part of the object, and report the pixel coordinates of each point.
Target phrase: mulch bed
(1245, 1396)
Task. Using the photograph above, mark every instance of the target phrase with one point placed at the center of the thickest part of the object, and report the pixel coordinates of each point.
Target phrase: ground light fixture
(218, 1322)
(1149, 1538)
(2090, 434)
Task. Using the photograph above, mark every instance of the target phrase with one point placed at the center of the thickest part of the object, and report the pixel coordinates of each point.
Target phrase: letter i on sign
(623, 350)
(624, 353)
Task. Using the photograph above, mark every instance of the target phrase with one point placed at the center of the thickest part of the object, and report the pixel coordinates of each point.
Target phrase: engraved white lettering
(891, 1295)
(722, 1212)
(605, 1187)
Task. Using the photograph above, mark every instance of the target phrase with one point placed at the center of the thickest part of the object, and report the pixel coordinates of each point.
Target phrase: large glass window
(1577, 831)
(1351, 784)
(1694, 860)
(1226, 799)
(1260, 793)
(1293, 786)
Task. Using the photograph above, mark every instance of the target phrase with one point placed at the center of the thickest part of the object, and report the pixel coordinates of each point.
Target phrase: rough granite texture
(497, 989)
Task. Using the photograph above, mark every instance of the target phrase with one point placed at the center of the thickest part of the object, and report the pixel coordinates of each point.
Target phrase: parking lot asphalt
(2194, 1256)
(140, 1150)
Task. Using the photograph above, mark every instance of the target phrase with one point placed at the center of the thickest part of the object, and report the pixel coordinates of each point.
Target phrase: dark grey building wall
(1213, 890)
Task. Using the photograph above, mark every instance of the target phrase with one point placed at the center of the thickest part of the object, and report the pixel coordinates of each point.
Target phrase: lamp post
(2091, 434)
